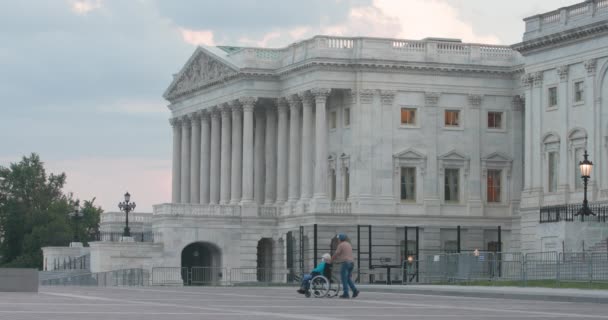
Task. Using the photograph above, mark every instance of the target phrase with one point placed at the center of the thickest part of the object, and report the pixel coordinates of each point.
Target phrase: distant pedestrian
(344, 254)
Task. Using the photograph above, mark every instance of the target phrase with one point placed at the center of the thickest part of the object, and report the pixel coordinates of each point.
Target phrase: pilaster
(474, 202)
(431, 130)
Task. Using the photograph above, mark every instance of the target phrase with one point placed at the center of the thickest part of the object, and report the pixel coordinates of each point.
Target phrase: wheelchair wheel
(319, 286)
(334, 287)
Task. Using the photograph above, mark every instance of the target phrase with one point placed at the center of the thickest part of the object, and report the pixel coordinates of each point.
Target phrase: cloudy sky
(81, 80)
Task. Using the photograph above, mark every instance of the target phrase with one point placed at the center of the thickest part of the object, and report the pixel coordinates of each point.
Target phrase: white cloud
(83, 7)
(197, 37)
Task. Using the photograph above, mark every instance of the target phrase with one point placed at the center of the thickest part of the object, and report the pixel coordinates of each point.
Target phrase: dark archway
(201, 264)
(264, 260)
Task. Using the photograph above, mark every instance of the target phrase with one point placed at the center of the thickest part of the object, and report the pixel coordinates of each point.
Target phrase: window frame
(498, 173)
(416, 115)
(333, 120)
(549, 104)
(346, 118)
(412, 199)
(458, 185)
(503, 121)
(581, 102)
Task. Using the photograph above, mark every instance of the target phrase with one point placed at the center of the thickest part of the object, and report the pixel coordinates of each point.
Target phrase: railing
(144, 218)
(124, 277)
(340, 207)
(568, 212)
(73, 263)
(179, 209)
(567, 17)
(540, 268)
(117, 236)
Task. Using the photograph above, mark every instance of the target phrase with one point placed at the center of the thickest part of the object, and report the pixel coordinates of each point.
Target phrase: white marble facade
(433, 133)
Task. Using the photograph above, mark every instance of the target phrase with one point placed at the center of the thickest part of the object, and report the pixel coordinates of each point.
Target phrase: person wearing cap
(344, 254)
(319, 270)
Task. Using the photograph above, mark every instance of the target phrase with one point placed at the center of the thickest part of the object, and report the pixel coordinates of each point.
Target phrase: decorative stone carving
(214, 112)
(366, 96)
(175, 122)
(186, 121)
(527, 80)
(538, 79)
(195, 118)
(475, 100)
(344, 163)
(387, 97)
(431, 98)
(562, 71)
(293, 100)
(248, 101)
(202, 70)
(282, 104)
(591, 65)
(235, 105)
(320, 94)
(226, 109)
(305, 97)
(518, 103)
(204, 114)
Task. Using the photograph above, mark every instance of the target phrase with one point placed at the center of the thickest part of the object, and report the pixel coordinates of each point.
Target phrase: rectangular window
(493, 185)
(452, 118)
(451, 192)
(347, 117)
(332, 191)
(553, 97)
(494, 120)
(346, 184)
(408, 184)
(408, 116)
(332, 120)
(578, 156)
(552, 171)
(579, 91)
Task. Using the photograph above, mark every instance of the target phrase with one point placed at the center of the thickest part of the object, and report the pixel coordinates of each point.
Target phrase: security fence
(514, 268)
(123, 277)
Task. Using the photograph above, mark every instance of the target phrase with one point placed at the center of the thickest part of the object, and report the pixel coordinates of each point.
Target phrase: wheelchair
(323, 286)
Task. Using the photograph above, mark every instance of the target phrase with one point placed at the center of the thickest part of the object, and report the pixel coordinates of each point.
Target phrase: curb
(499, 295)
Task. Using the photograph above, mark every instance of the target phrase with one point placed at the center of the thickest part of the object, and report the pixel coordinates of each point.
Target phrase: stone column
(282, 155)
(195, 158)
(430, 129)
(205, 157)
(214, 184)
(527, 81)
(537, 136)
(474, 201)
(271, 155)
(294, 148)
(563, 102)
(259, 163)
(320, 185)
(225, 156)
(307, 160)
(177, 150)
(248, 162)
(185, 179)
(237, 153)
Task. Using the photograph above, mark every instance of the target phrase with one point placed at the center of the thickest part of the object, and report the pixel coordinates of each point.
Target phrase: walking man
(344, 254)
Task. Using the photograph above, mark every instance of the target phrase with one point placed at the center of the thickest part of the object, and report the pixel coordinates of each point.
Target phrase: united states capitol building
(274, 149)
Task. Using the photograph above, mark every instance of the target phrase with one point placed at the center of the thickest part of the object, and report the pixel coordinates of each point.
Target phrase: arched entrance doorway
(201, 264)
(264, 260)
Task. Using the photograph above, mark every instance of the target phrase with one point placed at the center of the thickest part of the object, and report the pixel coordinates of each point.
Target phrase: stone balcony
(376, 50)
(566, 18)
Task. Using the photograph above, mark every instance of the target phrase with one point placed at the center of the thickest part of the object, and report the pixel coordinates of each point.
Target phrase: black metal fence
(568, 212)
(117, 236)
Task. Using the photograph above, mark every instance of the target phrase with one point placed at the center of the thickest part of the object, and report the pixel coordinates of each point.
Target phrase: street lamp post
(127, 207)
(585, 167)
(76, 215)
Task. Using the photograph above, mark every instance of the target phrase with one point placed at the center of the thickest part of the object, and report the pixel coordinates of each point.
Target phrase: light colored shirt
(344, 252)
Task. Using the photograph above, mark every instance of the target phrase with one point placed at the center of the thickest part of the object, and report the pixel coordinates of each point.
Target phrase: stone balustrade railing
(339, 207)
(108, 217)
(343, 48)
(180, 209)
(565, 18)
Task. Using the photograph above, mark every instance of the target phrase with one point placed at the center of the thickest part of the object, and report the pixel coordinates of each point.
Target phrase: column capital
(306, 98)
(235, 106)
(248, 101)
(527, 80)
(431, 98)
(562, 71)
(225, 109)
(293, 100)
(538, 78)
(195, 118)
(282, 105)
(366, 95)
(204, 114)
(591, 65)
(215, 112)
(186, 120)
(175, 122)
(320, 94)
(387, 97)
(475, 100)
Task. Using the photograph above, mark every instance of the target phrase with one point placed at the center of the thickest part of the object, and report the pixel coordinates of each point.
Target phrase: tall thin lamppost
(76, 214)
(127, 207)
(585, 166)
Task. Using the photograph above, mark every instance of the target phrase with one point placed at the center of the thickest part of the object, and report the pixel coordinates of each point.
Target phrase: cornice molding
(560, 38)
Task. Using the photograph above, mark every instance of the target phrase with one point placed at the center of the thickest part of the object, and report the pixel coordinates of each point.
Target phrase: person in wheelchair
(321, 269)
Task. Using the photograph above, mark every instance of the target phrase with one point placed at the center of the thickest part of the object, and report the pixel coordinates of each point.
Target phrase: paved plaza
(177, 303)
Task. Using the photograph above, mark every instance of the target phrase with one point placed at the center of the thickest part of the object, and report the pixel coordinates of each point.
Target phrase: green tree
(34, 213)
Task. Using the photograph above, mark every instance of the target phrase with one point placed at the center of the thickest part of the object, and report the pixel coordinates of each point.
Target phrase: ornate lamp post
(76, 215)
(127, 207)
(585, 167)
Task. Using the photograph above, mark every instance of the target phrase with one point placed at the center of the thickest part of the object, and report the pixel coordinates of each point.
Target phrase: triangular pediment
(410, 154)
(202, 69)
(496, 157)
(453, 155)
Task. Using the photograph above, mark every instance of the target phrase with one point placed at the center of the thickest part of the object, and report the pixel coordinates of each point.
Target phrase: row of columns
(230, 154)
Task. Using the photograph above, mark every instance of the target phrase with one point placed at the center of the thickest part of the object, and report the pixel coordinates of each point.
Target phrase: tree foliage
(34, 213)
